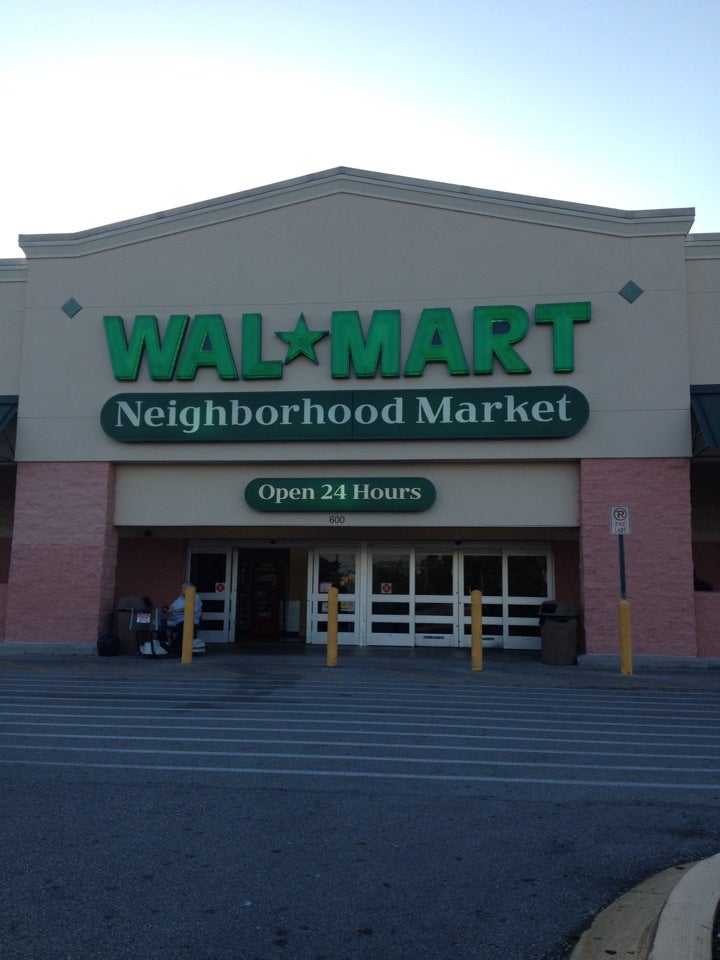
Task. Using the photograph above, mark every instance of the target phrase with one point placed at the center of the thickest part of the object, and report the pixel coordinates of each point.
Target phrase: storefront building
(404, 389)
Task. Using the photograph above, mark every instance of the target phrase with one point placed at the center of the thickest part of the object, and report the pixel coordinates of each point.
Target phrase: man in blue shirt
(176, 618)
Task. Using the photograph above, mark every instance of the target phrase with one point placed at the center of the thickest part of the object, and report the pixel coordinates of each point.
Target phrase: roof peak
(369, 183)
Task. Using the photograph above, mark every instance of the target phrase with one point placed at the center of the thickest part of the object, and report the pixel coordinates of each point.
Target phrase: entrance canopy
(705, 403)
(8, 423)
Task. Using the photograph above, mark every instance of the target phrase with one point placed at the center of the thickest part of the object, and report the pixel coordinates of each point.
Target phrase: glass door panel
(333, 569)
(484, 572)
(211, 572)
(528, 584)
(435, 620)
(527, 576)
(389, 620)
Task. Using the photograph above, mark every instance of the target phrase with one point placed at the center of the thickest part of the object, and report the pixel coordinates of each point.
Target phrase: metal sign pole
(476, 650)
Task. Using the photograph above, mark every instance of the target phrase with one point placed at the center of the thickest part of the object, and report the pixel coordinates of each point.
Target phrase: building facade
(404, 389)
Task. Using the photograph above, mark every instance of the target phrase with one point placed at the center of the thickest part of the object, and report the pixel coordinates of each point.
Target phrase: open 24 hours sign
(344, 494)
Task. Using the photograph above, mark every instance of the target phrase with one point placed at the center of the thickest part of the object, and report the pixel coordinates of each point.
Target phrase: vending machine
(265, 605)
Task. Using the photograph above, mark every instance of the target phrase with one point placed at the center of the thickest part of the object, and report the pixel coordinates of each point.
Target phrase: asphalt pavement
(363, 798)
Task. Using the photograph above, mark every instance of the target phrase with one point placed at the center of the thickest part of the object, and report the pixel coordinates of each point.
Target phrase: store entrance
(420, 596)
(414, 596)
(246, 592)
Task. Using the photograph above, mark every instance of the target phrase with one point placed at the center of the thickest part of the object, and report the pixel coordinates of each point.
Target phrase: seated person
(175, 619)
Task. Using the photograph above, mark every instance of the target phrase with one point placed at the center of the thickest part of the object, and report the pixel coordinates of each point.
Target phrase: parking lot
(262, 806)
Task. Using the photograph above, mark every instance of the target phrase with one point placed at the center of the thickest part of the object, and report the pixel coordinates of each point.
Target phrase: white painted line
(354, 774)
(360, 758)
(395, 745)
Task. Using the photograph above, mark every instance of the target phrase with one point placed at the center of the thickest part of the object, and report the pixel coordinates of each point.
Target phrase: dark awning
(705, 403)
(8, 423)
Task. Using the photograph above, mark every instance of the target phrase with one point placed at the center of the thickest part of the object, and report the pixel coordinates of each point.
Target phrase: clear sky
(112, 110)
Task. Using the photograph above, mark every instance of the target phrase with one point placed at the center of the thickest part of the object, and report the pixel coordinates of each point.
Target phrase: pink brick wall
(658, 555)
(707, 618)
(3, 608)
(62, 571)
(567, 575)
(567, 579)
(150, 567)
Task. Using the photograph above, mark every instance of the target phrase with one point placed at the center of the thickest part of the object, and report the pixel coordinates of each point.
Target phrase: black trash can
(558, 633)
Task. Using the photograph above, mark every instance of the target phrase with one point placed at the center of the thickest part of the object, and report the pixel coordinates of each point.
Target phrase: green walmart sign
(482, 413)
(473, 344)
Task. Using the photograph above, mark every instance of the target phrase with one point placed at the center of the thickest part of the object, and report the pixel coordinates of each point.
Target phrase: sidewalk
(514, 667)
(670, 916)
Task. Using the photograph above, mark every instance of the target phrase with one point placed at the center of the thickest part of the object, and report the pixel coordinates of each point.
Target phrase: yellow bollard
(626, 665)
(476, 656)
(332, 627)
(188, 625)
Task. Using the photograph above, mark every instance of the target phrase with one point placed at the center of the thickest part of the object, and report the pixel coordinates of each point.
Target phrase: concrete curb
(667, 917)
(611, 661)
(685, 927)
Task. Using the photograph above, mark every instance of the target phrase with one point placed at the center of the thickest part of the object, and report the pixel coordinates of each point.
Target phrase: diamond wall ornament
(71, 307)
(631, 291)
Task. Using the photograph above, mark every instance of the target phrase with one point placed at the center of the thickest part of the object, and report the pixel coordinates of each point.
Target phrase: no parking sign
(620, 520)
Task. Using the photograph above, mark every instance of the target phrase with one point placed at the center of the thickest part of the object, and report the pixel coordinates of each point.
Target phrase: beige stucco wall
(703, 273)
(488, 495)
(13, 274)
(366, 246)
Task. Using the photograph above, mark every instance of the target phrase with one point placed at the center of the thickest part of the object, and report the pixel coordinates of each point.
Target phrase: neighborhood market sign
(489, 413)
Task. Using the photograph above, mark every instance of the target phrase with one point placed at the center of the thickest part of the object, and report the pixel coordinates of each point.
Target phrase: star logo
(301, 340)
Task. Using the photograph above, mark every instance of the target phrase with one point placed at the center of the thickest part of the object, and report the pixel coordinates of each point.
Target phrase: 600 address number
(336, 518)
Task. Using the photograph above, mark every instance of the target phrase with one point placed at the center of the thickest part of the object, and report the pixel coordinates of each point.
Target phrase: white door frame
(436, 636)
(514, 629)
(350, 623)
(222, 618)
